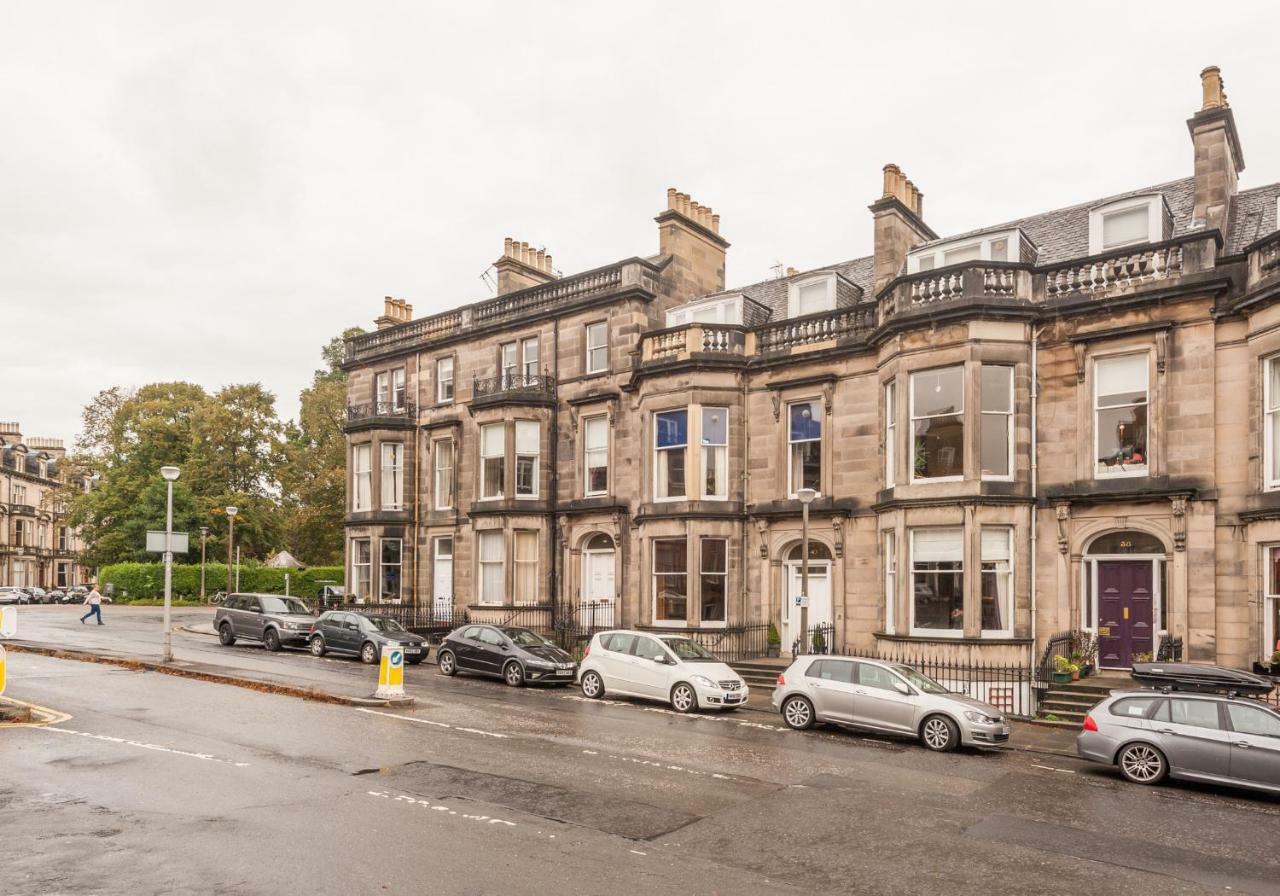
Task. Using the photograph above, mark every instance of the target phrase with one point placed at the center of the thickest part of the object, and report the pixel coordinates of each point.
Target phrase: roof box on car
(1200, 678)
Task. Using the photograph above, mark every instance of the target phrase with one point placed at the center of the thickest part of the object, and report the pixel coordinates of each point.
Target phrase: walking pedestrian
(93, 600)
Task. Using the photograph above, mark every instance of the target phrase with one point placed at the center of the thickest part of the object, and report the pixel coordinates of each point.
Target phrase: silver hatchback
(1219, 739)
(885, 697)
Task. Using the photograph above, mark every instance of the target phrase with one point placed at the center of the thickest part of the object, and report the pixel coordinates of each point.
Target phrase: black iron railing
(733, 643)
(820, 638)
(1006, 686)
(537, 384)
(1059, 645)
(358, 412)
(1170, 650)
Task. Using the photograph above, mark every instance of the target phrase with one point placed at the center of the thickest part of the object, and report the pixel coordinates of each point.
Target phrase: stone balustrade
(1114, 273)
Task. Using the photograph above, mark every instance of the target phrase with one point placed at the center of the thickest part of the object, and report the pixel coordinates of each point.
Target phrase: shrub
(146, 580)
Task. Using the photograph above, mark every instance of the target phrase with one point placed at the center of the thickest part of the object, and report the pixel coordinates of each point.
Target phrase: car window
(873, 676)
(273, 604)
(1132, 707)
(689, 651)
(1250, 720)
(489, 636)
(1197, 713)
(472, 633)
(618, 643)
(648, 649)
(831, 670)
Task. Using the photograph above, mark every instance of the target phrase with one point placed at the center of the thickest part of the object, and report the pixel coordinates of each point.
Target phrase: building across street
(37, 547)
(1066, 423)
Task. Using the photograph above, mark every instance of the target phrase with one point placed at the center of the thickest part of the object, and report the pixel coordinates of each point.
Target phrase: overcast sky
(211, 191)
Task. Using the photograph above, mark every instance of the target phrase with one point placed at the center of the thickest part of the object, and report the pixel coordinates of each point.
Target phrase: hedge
(146, 580)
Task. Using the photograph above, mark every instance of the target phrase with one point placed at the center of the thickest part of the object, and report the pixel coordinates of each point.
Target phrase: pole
(204, 537)
(237, 567)
(231, 537)
(804, 577)
(168, 572)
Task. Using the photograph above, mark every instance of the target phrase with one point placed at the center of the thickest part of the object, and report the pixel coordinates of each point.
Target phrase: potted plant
(1062, 667)
(1084, 652)
(819, 641)
(1275, 663)
(773, 642)
(1144, 657)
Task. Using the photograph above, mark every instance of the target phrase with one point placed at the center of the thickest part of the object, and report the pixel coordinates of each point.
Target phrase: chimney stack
(522, 266)
(689, 232)
(1218, 157)
(394, 311)
(899, 224)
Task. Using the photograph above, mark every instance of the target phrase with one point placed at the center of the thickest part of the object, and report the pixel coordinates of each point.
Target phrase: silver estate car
(1216, 738)
(886, 697)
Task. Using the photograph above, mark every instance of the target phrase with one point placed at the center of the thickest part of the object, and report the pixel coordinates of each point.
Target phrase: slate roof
(1060, 235)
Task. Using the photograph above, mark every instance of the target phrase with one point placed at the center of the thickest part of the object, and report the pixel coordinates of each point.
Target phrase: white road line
(393, 715)
(660, 766)
(709, 717)
(158, 748)
(439, 807)
(1050, 768)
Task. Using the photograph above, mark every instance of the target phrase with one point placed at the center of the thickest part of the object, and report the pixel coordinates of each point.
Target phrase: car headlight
(703, 680)
(541, 664)
(975, 716)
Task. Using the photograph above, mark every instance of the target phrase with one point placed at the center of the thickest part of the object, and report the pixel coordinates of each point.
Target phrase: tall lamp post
(806, 496)
(231, 537)
(204, 537)
(170, 475)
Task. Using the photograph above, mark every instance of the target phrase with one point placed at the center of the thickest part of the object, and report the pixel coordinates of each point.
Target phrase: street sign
(3, 664)
(802, 600)
(391, 672)
(8, 622)
(155, 542)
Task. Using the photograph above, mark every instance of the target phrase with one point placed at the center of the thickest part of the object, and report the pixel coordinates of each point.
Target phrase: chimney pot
(1213, 88)
(715, 223)
(671, 197)
(548, 268)
(506, 247)
(542, 260)
(791, 272)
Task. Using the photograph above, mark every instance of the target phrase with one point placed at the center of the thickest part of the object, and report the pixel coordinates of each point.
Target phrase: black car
(364, 635)
(516, 655)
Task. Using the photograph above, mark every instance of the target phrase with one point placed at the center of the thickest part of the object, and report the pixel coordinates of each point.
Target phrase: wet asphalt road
(158, 784)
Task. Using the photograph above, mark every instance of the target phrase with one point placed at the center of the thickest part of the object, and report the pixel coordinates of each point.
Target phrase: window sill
(934, 480)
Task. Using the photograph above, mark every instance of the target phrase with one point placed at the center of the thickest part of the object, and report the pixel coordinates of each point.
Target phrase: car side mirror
(903, 688)
(662, 660)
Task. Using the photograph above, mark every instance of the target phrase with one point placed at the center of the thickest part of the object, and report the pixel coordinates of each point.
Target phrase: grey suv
(270, 618)
(884, 696)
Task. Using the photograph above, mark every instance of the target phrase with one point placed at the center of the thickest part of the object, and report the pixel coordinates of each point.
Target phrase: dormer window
(1004, 245)
(812, 296)
(724, 310)
(1129, 222)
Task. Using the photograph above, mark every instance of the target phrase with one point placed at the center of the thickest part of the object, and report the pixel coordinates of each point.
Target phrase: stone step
(1059, 707)
(1070, 698)
(1074, 726)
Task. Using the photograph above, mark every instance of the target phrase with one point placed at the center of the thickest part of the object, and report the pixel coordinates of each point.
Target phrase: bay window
(890, 432)
(361, 477)
(493, 460)
(361, 568)
(937, 582)
(715, 453)
(804, 438)
(997, 422)
(714, 579)
(389, 568)
(526, 567)
(671, 442)
(1120, 415)
(392, 476)
(444, 380)
(443, 449)
(670, 580)
(595, 449)
(528, 437)
(1271, 603)
(890, 580)
(997, 580)
(1271, 422)
(492, 554)
(597, 347)
(937, 423)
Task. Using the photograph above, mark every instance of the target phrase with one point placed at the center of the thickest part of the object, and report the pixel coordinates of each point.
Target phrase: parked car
(273, 619)
(38, 595)
(364, 635)
(886, 697)
(1190, 728)
(516, 655)
(75, 595)
(11, 595)
(55, 596)
(670, 668)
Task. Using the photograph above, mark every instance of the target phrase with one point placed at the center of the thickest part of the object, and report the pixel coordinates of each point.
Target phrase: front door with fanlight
(442, 579)
(819, 594)
(597, 582)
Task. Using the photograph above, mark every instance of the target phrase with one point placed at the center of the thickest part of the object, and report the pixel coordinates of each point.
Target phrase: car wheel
(317, 646)
(1142, 764)
(797, 712)
(513, 674)
(369, 653)
(226, 637)
(448, 665)
(271, 640)
(684, 698)
(592, 686)
(939, 734)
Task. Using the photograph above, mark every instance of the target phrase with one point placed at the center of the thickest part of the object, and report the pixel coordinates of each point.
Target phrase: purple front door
(1125, 612)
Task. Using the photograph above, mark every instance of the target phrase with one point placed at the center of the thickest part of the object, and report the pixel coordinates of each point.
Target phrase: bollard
(8, 622)
(391, 673)
(3, 671)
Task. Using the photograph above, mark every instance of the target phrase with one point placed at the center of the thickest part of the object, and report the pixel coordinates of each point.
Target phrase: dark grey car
(365, 636)
(1150, 734)
(273, 619)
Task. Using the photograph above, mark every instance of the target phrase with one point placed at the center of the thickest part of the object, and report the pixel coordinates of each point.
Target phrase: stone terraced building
(37, 547)
(1065, 422)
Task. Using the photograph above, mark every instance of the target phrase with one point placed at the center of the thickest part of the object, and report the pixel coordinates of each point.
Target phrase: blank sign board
(155, 542)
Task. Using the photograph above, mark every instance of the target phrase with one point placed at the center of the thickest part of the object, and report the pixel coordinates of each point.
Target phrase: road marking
(438, 807)
(47, 716)
(143, 745)
(710, 717)
(1050, 768)
(661, 766)
(638, 852)
(393, 715)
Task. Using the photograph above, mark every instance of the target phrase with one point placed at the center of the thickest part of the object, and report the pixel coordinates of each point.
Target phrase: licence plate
(413, 650)
(732, 698)
(1004, 730)
(565, 672)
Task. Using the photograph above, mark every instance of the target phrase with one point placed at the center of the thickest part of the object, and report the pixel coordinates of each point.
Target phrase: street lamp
(170, 475)
(204, 537)
(231, 537)
(806, 496)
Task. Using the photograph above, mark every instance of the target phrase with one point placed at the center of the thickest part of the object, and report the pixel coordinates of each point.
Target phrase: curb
(251, 684)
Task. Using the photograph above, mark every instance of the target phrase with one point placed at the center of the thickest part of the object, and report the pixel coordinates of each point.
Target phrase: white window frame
(382, 564)
(717, 453)
(723, 310)
(793, 293)
(890, 542)
(444, 380)
(911, 547)
(502, 459)
(983, 413)
(659, 458)
(1270, 418)
(528, 358)
(361, 477)
(816, 405)
(1010, 582)
(508, 363)
(657, 578)
(1146, 459)
(890, 432)
(721, 574)
(935, 256)
(382, 392)
(367, 566)
(597, 347)
(536, 427)
(399, 392)
(392, 497)
(517, 536)
(961, 413)
(443, 473)
(1270, 597)
(588, 452)
(1155, 205)
(486, 568)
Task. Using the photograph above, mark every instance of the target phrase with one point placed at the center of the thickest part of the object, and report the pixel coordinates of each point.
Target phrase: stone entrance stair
(1067, 704)
(761, 675)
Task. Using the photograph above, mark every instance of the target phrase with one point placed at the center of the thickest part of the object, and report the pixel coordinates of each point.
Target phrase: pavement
(152, 783)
